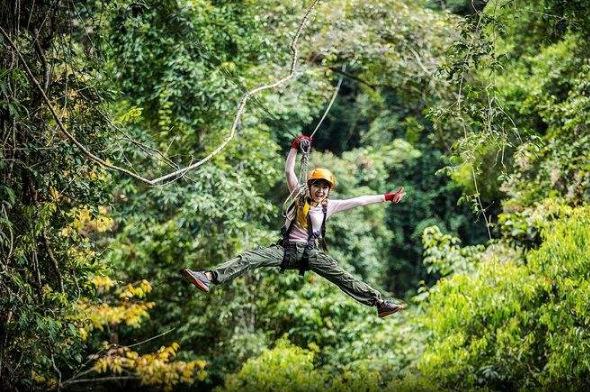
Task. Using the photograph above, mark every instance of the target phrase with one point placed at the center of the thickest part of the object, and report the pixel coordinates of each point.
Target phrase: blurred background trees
(479, 109)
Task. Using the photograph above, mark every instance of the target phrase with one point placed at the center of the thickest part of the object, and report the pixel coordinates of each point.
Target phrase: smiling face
(319, 190)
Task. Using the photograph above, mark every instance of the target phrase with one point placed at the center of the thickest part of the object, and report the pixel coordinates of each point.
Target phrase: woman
(303, 232)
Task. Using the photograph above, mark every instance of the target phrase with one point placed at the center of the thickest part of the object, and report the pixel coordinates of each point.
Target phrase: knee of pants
(321, 262)
(269, 256)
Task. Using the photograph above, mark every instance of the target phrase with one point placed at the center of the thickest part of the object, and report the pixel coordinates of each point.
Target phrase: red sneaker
(198, 278)
(385, 308)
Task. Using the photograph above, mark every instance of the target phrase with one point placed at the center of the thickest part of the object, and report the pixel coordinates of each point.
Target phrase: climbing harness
(313, 239)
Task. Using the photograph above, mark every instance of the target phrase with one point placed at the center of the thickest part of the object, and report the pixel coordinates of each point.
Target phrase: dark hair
(318, 182)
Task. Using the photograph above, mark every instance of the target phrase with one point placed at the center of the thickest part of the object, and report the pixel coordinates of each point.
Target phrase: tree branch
(180, 172)
(353, 77)
(54, 261)
(113, 378)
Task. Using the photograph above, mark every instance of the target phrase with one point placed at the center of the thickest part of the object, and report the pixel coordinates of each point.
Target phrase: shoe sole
(187, 275)
(385, 314)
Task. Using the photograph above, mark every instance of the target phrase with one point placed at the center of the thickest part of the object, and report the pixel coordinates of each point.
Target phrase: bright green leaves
(185, 73)
(286, 367)
(512, 322)
(443, 255)
(565, 248)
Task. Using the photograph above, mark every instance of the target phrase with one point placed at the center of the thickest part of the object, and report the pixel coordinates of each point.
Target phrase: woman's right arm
(292, 181)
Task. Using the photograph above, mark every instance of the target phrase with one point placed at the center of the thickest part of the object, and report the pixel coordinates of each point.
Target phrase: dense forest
(479, 109)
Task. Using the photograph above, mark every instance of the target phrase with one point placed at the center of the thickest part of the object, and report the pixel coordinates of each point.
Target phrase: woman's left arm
(346, 204)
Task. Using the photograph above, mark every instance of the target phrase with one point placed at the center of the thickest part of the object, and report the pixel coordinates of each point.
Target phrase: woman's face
(319, 190)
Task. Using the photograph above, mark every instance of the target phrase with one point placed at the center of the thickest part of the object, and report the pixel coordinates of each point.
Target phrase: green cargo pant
(319, 262)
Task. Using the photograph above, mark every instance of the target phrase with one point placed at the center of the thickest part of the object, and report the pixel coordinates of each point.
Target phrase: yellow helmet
(322, 174)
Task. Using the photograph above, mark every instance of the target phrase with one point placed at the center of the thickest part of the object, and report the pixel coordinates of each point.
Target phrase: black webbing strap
(285, 232)
(323, 229)
(286, 245)
(311, 241)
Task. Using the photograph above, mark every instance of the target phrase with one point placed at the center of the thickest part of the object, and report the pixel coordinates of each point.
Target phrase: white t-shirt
(316, 215)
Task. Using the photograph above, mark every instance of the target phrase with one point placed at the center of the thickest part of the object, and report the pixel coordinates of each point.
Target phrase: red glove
(295, 143)
(395, 197)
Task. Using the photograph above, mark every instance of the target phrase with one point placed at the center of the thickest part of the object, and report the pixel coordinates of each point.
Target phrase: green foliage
(563, 261)
(391, 49)
(312, 314)
(291, 368)
(432, 199)
(529, 77)
(443, 255)
(47, 250)
(462, 7)
(494, 327)
(512, 324)
(493, 106)
(285, 367)
(545, 90)
(523, 228)
(187, 63)
(55, 203)
(171, 57)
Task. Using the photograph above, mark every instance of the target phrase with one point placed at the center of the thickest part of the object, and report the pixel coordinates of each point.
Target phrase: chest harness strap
(311, 242)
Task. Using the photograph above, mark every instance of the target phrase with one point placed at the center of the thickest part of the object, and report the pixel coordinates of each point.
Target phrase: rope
(301, 190)
(334, 95)
(305, 149)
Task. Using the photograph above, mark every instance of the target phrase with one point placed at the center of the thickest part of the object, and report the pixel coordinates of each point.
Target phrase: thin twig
(101, 379)
(54, 261)
(36, 270)
(53, 6)
(459, 108)
(353, 77)
(419, 62)
(57, 371)
(152, 338)
(75, 379)
(44, 63)
(143, 146)
(11, 248)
